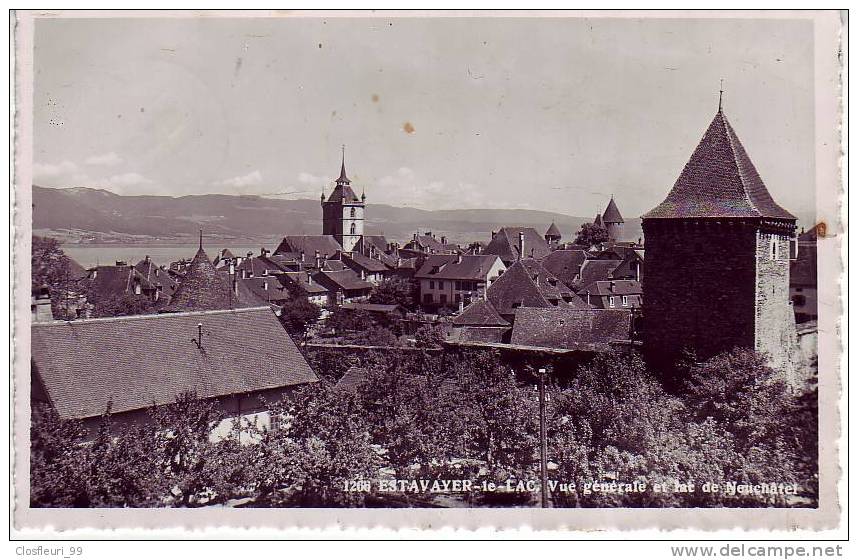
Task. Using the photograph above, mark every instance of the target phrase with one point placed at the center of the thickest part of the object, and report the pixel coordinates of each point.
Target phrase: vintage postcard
(571, 271)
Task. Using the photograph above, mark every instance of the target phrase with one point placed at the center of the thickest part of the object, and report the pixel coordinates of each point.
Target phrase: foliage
(52, 268)
(376, 336)
(429, 336)
(349, 320)
(118, 305)
(452, 415)
(298, 313)
(591, 234)
(395, 291)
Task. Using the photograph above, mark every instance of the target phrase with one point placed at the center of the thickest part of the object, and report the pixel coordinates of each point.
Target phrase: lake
(92, 255)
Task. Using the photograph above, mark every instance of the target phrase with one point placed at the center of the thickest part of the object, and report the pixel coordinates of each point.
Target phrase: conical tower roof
(612, 214)
(719, 181)
(552, 231)
(202, 288)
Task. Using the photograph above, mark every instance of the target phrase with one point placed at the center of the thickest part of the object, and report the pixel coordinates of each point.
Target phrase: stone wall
(698, 288)
(775, 320)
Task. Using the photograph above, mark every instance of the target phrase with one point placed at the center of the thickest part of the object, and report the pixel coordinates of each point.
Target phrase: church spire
(343, 180)
(720, 94)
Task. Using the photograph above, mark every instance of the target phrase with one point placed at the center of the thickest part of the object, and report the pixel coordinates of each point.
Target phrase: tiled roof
(201, 289)
(505, 244)
(110, 281)
(515, 289)
(342, 279)
(357, 261)
(570, 328)
(374, 307)
(457, 267)
(136, 361)
(719, 181)
(480, 313)
(156, 276)
(300, 278)
(620, 288)
(594, 270)
(264, 288)
(325, 244)
(612, 213)
(550, 286)
(552, 231)
(565, 264)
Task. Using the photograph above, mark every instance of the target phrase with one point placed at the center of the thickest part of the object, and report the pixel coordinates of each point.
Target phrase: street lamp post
(543, 441)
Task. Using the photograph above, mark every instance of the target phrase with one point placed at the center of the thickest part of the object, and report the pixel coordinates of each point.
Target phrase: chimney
(613, 285)
(362, 274)
(302, 255)
(461, 305)
(146, 259)
(458, 259)
(41, 307)
(444, 239)
(309, 278)
(520, 244)
(318, 260)
(264, 252)
(398, 262)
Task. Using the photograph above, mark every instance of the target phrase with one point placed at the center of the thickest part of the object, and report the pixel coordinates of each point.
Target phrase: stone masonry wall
(698, 288)
(775, 320)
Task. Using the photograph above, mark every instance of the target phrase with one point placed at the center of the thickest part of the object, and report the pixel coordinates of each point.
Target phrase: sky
(542, 113)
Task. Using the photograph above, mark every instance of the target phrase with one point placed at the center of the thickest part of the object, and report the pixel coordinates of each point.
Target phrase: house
(565, 264)
(158, 276)
(594, 270)
(342, 285)
(109, 281)
(803, 279)
(133, 362)
(370, 269)
(316, 293)
(429, 244)
(612, 294)
(480, 322)
(351, 380)
(451, 280)
(552, 288)
(568, 328)
(507, 243)
(303, 248)
(515, 288)
(40, 305)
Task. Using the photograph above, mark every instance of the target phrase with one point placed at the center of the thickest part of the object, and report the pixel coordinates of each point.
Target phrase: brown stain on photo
(375, 98)
(408, 128)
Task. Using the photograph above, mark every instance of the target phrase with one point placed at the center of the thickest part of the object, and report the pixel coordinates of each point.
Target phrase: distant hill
(95, 215)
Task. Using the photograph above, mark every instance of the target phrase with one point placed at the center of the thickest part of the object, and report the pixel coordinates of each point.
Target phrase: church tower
(717, 260)
(343, 212)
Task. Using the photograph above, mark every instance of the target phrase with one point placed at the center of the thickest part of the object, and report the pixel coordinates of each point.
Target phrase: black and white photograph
(353, 261)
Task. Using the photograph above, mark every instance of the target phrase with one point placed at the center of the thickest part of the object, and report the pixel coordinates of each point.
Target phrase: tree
(57, 461)
(591, 234)
(118, 305)
(395, 291)
(52, 268)
(297, 314)
(319, 444)
(376, 336)
(349, 320)
(429, 336)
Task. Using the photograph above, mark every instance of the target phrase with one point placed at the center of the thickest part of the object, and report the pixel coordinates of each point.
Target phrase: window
(427, 298)
(443, 299)
(774, 248)
(625, 301)
(611, 302)
(137, 289)
(353, 213)
(458, 298)
(440, 284)
(353, 229)
(458, 285)
(431, 284)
